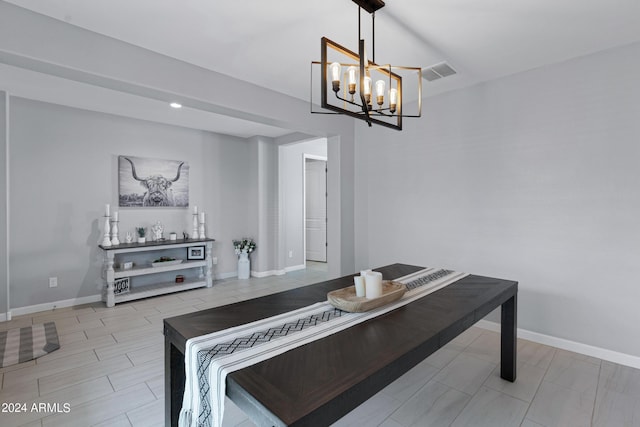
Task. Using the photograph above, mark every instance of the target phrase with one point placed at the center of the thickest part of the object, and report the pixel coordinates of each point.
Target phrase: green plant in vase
(141, 234)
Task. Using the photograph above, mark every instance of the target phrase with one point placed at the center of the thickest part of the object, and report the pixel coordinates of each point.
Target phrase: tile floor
(109, 372)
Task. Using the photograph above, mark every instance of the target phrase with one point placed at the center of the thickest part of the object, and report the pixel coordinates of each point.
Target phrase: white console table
(199, 271)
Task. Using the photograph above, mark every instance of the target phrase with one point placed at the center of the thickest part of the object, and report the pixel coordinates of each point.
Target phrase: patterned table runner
(210, 358)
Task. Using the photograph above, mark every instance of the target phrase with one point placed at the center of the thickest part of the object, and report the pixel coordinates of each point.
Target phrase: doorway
(315, 208)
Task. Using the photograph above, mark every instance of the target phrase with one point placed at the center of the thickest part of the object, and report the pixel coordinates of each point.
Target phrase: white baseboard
(52, 305)
(277, 272)
(261, 273)
(576, 347)
(294, 268)
(252, 274)
(267, 273)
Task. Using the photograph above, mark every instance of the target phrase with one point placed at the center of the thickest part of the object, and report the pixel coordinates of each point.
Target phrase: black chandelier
(354, 80)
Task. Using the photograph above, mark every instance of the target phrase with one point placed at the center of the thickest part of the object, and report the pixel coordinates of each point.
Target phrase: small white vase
(142, 239)
(244, 265)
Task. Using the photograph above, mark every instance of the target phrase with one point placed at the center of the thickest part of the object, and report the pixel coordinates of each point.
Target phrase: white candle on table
(373, 284)
(201, 217)
(359, 284)
(115, 216)
(107, 210)
(195, 209)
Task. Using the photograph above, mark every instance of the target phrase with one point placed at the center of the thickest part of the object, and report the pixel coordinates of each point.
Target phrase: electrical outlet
(290, 254)
(214, 260)
(53, 282)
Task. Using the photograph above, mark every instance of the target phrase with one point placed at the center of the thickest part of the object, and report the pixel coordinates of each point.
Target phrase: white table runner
(210, 358)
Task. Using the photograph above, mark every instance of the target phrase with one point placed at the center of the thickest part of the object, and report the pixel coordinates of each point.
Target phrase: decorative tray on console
(345, 299)
(165, 261)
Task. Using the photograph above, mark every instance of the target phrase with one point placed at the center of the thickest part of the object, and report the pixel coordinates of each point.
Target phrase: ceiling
(271, 43)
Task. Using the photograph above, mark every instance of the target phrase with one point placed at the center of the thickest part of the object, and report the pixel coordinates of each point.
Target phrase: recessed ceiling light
(175, 105)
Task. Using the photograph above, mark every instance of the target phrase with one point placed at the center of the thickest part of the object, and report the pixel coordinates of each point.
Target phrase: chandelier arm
(362, 55)
(378, 111)
(347, 100)
(365, 109)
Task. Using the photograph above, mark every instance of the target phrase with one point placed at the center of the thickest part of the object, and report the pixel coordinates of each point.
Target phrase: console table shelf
(115, 255)
(159, 289)
(139, 271)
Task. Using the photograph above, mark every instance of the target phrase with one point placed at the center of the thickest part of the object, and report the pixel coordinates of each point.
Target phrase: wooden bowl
(345, 299)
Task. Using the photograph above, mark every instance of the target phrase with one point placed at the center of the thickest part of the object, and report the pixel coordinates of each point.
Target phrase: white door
(316, 209)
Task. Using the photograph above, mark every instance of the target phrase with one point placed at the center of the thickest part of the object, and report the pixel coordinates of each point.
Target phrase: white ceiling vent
(438, 71)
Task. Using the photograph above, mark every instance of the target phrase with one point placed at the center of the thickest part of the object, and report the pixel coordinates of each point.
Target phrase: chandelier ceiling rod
(373, 37)
(373, 31)
(359, 26)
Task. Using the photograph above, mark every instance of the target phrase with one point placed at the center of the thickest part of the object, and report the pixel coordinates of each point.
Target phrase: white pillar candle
(359, 284)
(115, 216)
(201, 217)
(195, 209)
(107, 210)
(373, 284)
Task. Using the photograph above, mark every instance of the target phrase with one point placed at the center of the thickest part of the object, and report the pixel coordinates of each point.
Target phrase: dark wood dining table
(320, 382)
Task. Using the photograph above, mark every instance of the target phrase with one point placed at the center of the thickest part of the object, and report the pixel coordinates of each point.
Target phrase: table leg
(174, 379)
(508, 339)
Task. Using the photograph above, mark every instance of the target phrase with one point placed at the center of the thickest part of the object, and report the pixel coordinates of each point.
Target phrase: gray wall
(63, 171)
(227, 193)
(4, 100)
(291, 196)
(261, 168)
(268, 209)
(533, 177)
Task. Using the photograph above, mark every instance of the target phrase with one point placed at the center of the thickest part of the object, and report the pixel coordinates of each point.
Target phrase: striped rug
(23, 344)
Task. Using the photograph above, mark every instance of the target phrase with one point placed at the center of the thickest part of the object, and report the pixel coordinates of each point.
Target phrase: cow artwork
(152, 182)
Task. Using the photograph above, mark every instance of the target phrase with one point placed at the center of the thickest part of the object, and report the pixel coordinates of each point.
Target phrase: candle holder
(115, 240)
(106, 241)
(194, 232)
(201, 232)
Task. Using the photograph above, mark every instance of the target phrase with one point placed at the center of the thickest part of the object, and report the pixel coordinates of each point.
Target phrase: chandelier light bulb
(335, 69)
(367, 85)
(380, 86)
(352, 74)
(366, 90)
(393, 100)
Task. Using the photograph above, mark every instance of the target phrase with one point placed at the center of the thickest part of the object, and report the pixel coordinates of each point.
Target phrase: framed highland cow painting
(144, 182)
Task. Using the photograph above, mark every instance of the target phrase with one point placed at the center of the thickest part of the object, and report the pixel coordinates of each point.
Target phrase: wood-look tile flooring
(109, 372)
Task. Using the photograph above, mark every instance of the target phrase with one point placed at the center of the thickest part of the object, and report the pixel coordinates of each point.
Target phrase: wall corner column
(340, 206)
(5, 313)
